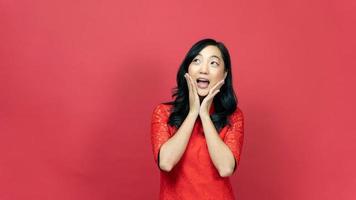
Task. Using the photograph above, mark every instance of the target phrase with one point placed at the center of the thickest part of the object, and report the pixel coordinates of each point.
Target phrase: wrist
(193, 114)
(204, 115)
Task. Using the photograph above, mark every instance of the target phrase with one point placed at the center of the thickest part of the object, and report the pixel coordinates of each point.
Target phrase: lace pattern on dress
(160, 132)
(235, 135)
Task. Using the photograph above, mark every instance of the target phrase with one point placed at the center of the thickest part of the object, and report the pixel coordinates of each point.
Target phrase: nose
(204, 69)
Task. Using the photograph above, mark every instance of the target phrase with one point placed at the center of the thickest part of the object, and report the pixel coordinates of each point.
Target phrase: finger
(215, 92)
(212, 94)
(217, 85)
(188, 82)
(194, 85)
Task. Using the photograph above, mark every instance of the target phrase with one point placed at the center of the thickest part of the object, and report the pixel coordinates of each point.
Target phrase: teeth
(203, 79)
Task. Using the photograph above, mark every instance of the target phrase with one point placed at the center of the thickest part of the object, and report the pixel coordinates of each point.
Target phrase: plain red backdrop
(79, 81)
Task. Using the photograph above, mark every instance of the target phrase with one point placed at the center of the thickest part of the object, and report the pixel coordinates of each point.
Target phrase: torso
(195, 176)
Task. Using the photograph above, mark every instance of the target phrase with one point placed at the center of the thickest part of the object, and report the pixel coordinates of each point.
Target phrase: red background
(79, 81)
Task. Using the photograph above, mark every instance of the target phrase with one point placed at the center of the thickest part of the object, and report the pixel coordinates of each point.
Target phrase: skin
(208, 66)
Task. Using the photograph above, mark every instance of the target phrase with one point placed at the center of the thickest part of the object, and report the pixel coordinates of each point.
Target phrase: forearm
(173, 149)
(220, 154)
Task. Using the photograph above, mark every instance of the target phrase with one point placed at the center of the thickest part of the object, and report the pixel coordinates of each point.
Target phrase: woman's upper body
(195, 176)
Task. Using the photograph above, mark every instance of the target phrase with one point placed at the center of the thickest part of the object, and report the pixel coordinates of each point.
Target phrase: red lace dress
(195, 176)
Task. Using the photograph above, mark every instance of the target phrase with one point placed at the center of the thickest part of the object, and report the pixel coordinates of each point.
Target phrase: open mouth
(203, 83)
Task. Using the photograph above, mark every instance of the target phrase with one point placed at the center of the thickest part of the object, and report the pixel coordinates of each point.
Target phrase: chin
(203, 93)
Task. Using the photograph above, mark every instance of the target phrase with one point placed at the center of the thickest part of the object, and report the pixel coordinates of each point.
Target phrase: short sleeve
(235, 135)
(159, 130)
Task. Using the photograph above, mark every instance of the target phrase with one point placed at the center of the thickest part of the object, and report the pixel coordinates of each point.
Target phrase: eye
(216, 63)
(196, 60)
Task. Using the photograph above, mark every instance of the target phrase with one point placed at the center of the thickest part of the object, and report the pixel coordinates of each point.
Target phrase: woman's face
(209, 66)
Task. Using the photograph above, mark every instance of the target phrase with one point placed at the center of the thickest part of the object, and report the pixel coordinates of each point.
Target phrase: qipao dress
(195, 177)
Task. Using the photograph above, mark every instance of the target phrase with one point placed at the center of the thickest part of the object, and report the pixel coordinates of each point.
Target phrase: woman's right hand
(194, 102)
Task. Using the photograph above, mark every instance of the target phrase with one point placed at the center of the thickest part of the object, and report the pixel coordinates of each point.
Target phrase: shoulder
(237, 115)
(162, 109)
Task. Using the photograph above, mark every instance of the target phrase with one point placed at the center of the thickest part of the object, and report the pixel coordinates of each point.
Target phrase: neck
(201, 99)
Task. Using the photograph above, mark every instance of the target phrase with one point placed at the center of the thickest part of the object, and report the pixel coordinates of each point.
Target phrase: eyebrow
(212, 56)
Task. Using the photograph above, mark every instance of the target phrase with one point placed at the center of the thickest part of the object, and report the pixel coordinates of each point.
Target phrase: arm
(167, 149)
(225, 154)
(220, 154)
(172, 150)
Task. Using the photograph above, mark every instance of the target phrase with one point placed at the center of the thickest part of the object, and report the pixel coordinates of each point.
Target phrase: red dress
(195, 176)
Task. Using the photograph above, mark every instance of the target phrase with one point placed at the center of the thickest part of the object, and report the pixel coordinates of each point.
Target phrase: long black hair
(225, 101)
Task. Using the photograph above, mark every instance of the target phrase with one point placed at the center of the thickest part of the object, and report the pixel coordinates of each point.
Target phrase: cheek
(215, 81)
(220, 76)
(193, 68)
(190, 70)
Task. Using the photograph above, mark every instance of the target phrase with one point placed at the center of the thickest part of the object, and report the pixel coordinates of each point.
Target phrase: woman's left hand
(208, 100)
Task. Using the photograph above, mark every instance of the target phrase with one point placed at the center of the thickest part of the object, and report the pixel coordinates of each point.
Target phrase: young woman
(197, 138)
